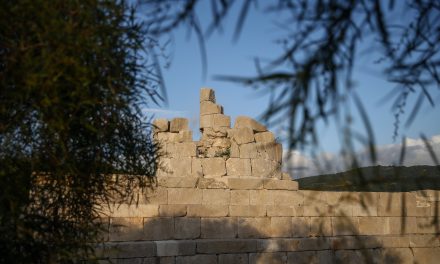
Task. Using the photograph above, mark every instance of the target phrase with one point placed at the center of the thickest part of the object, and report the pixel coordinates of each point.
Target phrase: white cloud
(416, 153)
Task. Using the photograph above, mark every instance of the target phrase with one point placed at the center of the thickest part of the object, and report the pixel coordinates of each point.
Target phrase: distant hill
(376, 179)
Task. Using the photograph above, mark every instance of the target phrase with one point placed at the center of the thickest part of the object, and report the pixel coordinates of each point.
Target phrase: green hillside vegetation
(376, 179)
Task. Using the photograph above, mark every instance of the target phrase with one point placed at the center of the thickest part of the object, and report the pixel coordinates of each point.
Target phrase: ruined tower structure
(246, 150)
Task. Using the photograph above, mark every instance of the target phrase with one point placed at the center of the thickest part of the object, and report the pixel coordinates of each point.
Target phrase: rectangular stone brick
(178, 124)
(282, 210)
(248, 151)
(156, 195)
(273, 257)
(172, 210)
(280, 184)
(345, 226)
(314, 243)
(239, 197)
(238, 167)
(216, 196)
(302, 257)
(428, 225)
(277, 244)
(426, 255)
(196, 259)
(402, 225)
(184, 196)
(355, 242)
(208, 107)
(177, 182)
(126, 210)
(215, 246)
(213, 167)
(187, 227)
(181, 166)
(257, 227)
(196, 167)
(161, 125)
(285, 197)
(320, 226)
(281, 227)
(241, 135)
(416, 241)
(125, 228)
(207, 210)
(140, 249)
(300, 226)
(207, 94)
(264, 168)
(159, 228)
(185, 149)
(233, 258)
(395, 241)
(245, 184)
(317, 210)
(264, 137)
(389, 204)
(373, 225)
(247, 210)
(211, 183)
(175, 248)
(261, 197)
(226, 227)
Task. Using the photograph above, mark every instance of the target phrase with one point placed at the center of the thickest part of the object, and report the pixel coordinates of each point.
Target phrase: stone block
(320, 226)
(161, 125)
(187, 227)
(213, 167)
(164, 167)
(196, 167)
(264, 137)
(235, 151)
(270, 151)
(263, 168)
(314, 243)
(185, 136)
(285, 197)
(317, 210)
(272, 257)
(426, 255)
(179, 124)
(417, 241)
(215, 121)
(281, 227)
(248, 151)
(244, 121)
(261, 197)
(216, 246)
(279, 210)
(245, 184)
(185, 149)
(247, 210)
(177, 182)
(280, 185)
(225, 227)
(345, 226)
(208, 107)
(158, 228)
(166, 137)
(210, 183)
(181, 167)
(207, 210)
(355, 242)
(254, 227)
(239, 197)
(125, 228)
(126, 210)
(238, 167)
(389, 204)
(207, 94)
(302, 257)
(175, 248)
(241, 135)
(300, 226)
(277, 244)
(130, 250)
(216, 196)
(395, 241)
(196, 259)
(373, 225)
(184, 196)
(156, 195)
(233, 258)
(402, 225)
(172, 210)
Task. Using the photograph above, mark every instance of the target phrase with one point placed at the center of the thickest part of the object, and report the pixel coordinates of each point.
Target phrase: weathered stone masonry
(224, 199)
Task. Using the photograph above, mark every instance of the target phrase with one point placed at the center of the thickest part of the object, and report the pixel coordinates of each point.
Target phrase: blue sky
(184, 79)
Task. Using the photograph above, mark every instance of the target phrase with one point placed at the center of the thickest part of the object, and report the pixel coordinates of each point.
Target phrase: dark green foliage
(72, 82)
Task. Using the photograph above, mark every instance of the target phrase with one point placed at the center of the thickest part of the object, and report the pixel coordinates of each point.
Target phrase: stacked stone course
(220, 200)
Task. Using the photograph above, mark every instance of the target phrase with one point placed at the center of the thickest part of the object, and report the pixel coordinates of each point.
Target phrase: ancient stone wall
(223, 199)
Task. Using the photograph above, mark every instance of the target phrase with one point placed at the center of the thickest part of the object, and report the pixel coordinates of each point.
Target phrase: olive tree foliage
(311, 80)
(74, 76)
